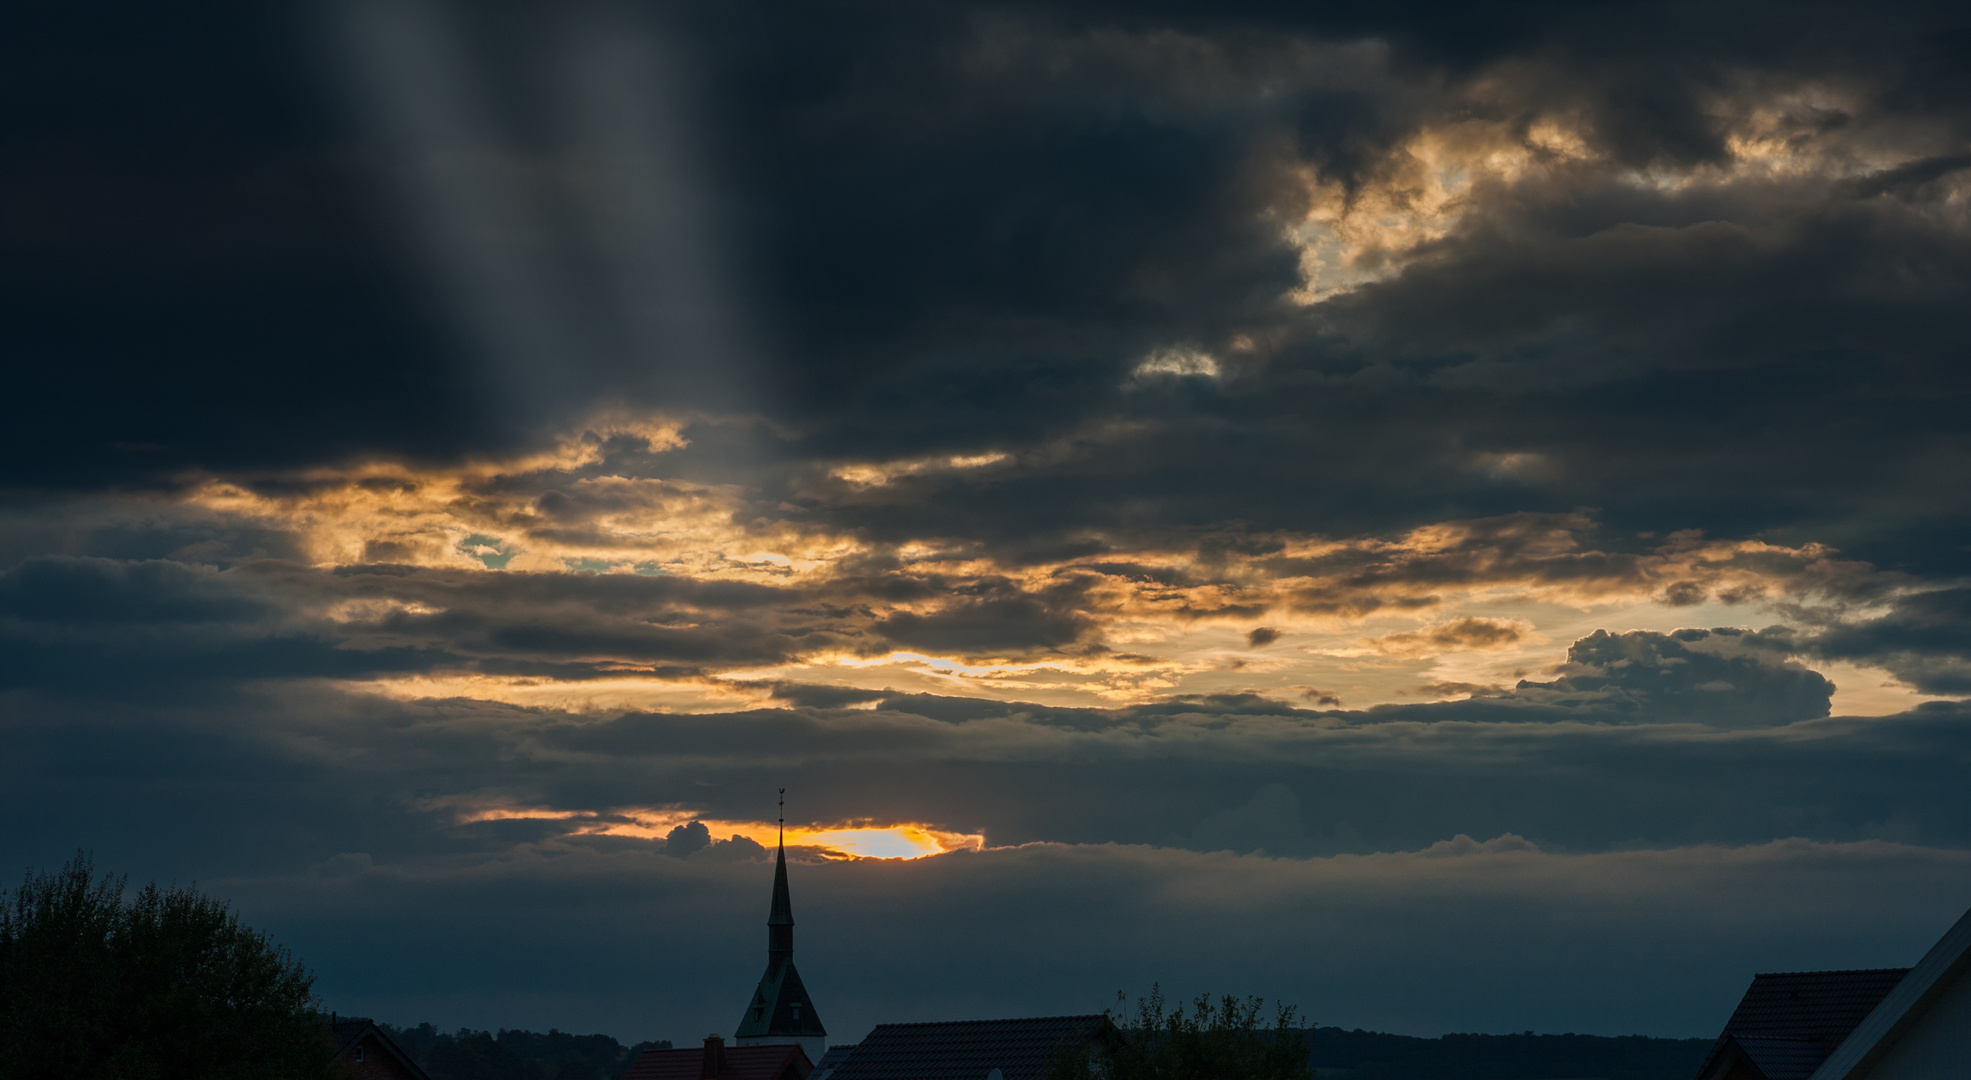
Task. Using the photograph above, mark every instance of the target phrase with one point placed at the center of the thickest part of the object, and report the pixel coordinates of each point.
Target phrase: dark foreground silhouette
(516, 1055)
(1372, 1055)
(1336, 1054)
(163, 983)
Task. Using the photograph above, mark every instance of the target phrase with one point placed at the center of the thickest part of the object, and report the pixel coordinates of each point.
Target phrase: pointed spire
(780, 921)
(781, 1011)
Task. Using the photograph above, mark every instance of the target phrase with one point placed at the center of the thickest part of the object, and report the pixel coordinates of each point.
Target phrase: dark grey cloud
(958, 228)
(1666, 351)
(693, 840)
(1727, 678)
(97, 626)
(1924, 639)
(104, 591)
(105, 626)
(991, 619)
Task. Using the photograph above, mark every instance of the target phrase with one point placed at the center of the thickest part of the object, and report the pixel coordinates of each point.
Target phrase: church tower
(780, 1012)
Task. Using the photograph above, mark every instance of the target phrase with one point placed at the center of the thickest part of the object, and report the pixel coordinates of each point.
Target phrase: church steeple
(781, 1011)
(780, 921)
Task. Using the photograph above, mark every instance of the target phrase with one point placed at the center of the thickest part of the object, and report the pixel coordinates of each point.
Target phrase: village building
(1879, 1024)
(717, 1061)
(1020, 1049)
(367, 1051)
(831, 1061)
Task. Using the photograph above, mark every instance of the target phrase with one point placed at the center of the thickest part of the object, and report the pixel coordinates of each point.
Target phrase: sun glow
(858, 839)
(888, 842)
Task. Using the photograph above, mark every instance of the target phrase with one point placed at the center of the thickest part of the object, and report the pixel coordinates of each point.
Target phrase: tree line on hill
(511, 1054)
(1226, 1038)
(1225, 1043)
(1369, 1055)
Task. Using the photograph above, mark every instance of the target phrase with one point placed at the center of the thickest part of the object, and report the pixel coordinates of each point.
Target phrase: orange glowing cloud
(1147, 614)
(857, 839)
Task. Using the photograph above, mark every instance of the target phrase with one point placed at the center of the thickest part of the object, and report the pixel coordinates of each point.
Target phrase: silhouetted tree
(1216, 1040)
(165, 985)
(515, 1054)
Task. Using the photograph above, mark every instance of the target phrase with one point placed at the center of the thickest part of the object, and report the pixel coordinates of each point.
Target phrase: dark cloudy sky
(1452, 515)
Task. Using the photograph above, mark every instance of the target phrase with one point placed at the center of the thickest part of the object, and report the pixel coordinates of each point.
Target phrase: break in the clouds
(1481, 489)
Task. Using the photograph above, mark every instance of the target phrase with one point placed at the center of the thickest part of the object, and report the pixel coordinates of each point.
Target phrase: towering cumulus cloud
(1349, 503)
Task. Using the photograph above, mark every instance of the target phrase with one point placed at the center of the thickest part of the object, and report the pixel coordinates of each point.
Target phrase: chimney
(714, 1062)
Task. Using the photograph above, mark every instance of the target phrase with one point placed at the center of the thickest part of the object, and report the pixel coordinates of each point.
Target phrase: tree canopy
(1216, 1039)
(162, 985)
(514, 1054)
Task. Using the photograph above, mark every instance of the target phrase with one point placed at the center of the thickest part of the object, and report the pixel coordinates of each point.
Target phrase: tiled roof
(965, 1049)
(741, 1063)
(1788, 1022)
(1784, 1059)
(830, 1060)
(835, 1056)
(345, 1030)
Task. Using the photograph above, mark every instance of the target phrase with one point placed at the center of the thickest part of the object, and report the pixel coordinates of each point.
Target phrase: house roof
(965, 1049)
(1782, 1059)
(346, 1031)
(830, 1060)
(1789, 1022)
(741, 1063)
(835, 1056)
(1939, 970)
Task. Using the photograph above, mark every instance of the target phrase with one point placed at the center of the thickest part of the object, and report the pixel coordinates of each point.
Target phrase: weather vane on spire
(783, 817)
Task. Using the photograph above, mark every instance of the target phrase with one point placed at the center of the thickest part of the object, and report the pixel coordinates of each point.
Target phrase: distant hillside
(516, 1055)
(1368, 1055)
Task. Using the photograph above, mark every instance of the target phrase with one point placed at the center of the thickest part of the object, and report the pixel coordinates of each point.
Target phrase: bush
(1215, 1040)
(165, 985)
